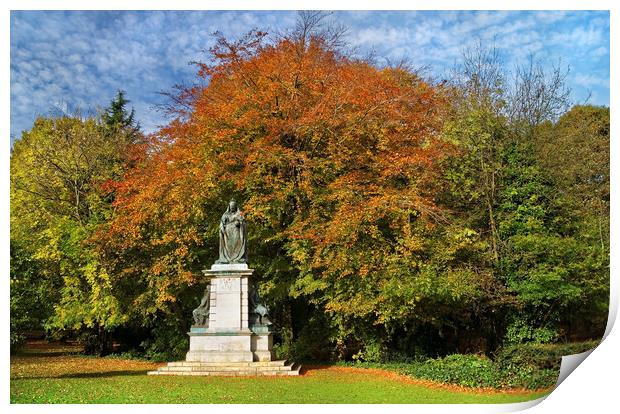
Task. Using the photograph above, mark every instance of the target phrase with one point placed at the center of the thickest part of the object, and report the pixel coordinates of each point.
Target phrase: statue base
(206, 345)
(229, 343)
(228, 337)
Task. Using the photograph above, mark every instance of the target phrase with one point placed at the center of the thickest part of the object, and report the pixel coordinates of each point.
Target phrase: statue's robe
(233, 235)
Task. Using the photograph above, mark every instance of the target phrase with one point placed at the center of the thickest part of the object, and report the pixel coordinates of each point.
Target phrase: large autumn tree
(336, 164)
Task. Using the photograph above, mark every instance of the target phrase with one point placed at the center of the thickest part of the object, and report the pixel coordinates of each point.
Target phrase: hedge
(530, 366)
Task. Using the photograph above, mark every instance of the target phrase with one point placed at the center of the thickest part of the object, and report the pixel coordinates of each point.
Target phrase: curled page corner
(569, 363)
(520, 406)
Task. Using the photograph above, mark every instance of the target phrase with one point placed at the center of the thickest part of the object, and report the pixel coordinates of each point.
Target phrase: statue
(201, 313)
(258, 311)
(233, 236)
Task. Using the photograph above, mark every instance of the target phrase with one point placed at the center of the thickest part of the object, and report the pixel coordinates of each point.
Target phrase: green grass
(141, 389)
(60, 378)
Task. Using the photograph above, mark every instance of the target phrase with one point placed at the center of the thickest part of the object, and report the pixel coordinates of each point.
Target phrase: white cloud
(381, 35)
(600, 51)
(550, 16)
(588, 80)
(579, 36)
(83, 57)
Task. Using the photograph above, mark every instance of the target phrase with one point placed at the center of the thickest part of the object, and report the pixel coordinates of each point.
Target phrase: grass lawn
(52, 375)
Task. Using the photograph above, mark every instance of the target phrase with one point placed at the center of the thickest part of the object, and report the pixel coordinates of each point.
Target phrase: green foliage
(520, 330)
(374, 351)
(466, 370)
(574, 154)
(31, 296)
(168, 341)
(538, 355)
(58, 199)
(517, 366)
(117, 119)
(536, 189)
(528, 366)
(545, 262)
(313, 342)
(533, 365)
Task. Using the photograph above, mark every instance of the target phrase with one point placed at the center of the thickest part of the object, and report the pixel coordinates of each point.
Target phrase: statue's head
(232, 206)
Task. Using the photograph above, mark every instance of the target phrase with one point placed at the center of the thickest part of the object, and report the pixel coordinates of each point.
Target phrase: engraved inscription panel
(227, 284)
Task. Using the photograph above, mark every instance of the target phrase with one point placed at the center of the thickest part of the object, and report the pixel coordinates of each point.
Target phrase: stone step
(226, 373)
(224, 368)
(227, 364)
(237, 370)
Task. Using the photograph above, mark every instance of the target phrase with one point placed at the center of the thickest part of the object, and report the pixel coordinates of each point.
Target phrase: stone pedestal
(228, 336)
(230, 343)
(261, 343)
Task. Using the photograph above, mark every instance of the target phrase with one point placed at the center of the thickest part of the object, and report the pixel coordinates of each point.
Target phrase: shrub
(528, 377)
(519, 331)
(312, 343)
(538, 355)
(530, 366)
(535, 365)
(467, 370)
(168, 342)
(304, 348)
(373, 351)
(17, 341)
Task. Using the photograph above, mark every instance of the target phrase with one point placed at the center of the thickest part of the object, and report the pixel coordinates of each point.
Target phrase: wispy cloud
(589, 81)
(82, 58)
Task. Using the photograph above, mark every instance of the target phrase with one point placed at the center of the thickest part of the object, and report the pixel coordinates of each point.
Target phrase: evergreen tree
(117, 118)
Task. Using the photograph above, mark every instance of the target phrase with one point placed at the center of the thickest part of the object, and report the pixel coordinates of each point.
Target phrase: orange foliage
(318, 147)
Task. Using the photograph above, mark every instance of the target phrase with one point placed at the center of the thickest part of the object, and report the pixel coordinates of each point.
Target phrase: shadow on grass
(305, 367)
(32, 353)
(106, 374)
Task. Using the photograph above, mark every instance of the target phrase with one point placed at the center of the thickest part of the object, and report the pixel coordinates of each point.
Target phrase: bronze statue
(259, 312)
(201, 313)
(233, 236)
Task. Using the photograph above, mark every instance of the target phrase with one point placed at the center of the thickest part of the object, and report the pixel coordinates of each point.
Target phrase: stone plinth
(229, 297)
(228, 337)
(228, 344)
(261, 344)
(220, 347)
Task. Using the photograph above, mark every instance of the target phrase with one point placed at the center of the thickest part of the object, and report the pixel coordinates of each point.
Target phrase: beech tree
(336, 164)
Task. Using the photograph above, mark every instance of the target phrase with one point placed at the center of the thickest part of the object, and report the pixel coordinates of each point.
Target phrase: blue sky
(65, 60)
